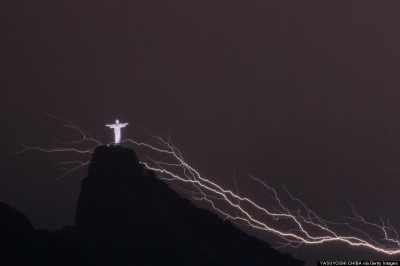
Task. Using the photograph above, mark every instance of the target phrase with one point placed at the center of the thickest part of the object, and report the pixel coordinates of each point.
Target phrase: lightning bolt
(84, 145)
(294, 226)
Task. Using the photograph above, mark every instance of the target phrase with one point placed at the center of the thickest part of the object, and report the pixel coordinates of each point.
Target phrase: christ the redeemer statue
(117, 130)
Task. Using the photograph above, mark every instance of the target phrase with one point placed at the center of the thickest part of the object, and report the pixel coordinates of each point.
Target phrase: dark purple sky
(304, 94)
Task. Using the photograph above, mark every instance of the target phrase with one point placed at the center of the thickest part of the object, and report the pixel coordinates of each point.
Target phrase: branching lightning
(84, 145)
(294, 226)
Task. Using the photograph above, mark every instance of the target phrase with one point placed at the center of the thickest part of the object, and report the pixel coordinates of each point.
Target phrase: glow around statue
(117, 130)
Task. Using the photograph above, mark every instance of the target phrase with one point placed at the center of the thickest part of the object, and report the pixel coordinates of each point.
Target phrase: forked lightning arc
(294, 226)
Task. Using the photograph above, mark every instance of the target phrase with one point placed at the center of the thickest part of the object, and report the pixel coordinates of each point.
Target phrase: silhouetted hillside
(21, 244)
(126, 216)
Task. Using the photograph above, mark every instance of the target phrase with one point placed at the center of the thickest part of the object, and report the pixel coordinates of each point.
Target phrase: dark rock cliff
(126, 216)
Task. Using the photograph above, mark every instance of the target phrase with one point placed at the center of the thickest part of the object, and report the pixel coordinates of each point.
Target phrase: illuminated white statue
(117, 130)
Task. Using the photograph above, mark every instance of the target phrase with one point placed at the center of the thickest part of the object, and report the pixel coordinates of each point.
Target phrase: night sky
(301, 94)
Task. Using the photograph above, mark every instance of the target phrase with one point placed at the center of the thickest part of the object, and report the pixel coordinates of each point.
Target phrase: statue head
(117, 121)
